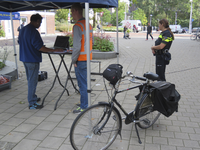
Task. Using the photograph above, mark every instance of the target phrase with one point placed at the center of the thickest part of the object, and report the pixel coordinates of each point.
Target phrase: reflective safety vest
(168, 39)
(83, 53)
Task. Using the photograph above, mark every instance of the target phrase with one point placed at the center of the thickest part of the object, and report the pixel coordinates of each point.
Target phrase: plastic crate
(6, 85)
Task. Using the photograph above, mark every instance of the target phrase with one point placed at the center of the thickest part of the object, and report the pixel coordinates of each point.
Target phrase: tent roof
(22, 5)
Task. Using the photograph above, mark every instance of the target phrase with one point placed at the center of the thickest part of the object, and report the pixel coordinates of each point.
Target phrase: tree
(120, 17)
(96, 10)
(196, 13)
(121, 10)
(168, 9)
(62, 14)
(106, 16)
(139, 15)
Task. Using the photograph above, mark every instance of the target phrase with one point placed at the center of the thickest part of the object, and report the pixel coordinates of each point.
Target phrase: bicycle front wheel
(145, 112)
(85, 133)
(193, 37)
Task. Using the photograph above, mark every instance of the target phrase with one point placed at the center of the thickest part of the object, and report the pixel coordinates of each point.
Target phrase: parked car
(176, 28)
(196, 29)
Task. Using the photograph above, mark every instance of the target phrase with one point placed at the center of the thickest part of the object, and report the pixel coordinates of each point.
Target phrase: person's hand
(75, 65)
(58, 50)
(153, 50)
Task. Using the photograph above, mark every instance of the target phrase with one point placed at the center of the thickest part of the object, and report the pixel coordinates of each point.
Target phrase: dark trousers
(160, 67)
(150, 35)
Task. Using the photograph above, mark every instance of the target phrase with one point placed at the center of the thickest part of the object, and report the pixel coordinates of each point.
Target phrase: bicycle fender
(106, 103)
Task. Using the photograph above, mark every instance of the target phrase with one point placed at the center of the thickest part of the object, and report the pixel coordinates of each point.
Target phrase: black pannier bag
(113, 73)
(165, 98)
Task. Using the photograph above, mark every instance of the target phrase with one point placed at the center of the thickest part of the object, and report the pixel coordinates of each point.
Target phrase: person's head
(36, 20)
(77, 11)
(164, 25)
(148, 24)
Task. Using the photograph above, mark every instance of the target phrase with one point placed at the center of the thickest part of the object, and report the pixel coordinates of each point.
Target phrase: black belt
(160, 52)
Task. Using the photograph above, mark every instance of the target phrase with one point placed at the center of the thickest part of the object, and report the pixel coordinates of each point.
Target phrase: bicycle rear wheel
(193, 37)
(145, 113)
(85, 133)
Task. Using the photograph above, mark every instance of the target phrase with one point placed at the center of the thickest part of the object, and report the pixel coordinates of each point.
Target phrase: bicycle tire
(82, 126)
(145, 112)
(193, 37)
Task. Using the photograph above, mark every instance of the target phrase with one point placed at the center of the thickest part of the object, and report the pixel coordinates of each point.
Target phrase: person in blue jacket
(30, 47)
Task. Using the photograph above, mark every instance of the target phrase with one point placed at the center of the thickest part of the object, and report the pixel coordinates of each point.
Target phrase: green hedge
(102, 43)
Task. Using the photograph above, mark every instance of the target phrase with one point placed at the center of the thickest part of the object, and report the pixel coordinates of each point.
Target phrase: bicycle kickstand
(137, 133)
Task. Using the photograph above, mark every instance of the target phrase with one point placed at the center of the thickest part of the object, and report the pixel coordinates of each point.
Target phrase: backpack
(165, 97)
(113, 73)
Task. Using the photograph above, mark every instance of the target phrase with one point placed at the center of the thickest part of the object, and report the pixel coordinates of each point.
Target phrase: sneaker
(36, 106)
(146, 39)
(78, 110)
(38, 99)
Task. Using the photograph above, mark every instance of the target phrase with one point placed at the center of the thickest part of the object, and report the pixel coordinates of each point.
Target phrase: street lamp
(150, 19)
(190, 24)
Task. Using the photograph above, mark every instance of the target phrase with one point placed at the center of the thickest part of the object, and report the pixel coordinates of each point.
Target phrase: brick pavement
(46, 129)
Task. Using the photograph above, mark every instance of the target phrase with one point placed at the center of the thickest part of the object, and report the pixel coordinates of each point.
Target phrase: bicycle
(98, 126)
(195, 37)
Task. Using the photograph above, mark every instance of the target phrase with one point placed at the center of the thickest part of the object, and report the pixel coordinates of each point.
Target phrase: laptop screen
(62, 42)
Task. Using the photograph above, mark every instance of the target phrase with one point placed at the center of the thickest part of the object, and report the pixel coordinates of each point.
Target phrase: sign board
(101, 14)
(6, 16)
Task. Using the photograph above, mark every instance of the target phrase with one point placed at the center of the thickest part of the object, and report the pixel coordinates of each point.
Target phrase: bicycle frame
(113, 100)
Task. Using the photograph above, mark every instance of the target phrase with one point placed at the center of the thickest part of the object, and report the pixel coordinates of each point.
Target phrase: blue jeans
(32, 78)
(81, 76)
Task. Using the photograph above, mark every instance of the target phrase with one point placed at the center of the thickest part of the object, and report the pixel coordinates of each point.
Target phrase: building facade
(47, 25)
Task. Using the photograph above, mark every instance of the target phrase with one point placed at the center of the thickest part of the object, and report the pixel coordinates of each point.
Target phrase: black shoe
(36, 106)
(38, 99)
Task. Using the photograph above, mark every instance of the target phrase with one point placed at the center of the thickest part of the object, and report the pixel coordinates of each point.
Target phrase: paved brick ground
(46, 129)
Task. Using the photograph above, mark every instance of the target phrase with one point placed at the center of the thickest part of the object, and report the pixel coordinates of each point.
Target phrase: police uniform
(166, 38)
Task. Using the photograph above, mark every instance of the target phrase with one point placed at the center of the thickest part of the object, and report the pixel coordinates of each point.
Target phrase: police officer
(162, 44)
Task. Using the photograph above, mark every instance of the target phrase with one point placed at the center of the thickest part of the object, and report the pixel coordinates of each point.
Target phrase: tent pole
(117, 35)
(88, 51)
(88, 63)
(13, 36)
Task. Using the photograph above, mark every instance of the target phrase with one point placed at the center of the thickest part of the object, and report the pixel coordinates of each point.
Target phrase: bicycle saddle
(151, 76)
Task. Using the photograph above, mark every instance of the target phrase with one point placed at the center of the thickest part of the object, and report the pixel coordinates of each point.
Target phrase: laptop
(61, 42)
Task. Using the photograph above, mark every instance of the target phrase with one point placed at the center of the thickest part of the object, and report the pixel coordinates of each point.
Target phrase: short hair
(77, 6)
(36, 17)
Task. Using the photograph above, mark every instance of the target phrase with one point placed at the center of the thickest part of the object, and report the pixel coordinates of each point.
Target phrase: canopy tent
(23, 5)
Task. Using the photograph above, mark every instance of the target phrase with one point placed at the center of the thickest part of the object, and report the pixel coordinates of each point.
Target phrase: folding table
(61, 54)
